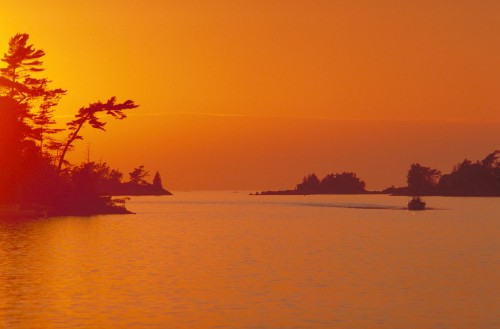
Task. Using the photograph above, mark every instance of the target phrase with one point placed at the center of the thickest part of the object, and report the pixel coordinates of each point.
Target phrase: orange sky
(255, 94)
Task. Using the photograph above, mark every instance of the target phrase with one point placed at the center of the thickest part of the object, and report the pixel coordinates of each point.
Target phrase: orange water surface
(231, 260)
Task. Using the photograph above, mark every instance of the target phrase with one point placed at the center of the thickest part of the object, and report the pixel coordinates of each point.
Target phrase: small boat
(416, 203)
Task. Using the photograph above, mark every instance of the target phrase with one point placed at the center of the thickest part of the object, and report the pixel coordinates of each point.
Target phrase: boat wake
(353, 206)
(367, 206)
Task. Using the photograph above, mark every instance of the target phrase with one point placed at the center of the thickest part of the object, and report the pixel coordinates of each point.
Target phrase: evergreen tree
(309, 185)
(346, 182)
(473, 178)
(138, 175)
(35, 96)
(26, 104)
(422, 180)
(157, 184)
(89, 115)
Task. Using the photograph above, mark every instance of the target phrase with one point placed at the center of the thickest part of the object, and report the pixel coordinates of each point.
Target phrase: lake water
(230, 260)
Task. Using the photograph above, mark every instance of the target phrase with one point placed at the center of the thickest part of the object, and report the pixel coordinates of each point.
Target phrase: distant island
(339, 183)
(480, 178)
(468, 178)
(35, 176)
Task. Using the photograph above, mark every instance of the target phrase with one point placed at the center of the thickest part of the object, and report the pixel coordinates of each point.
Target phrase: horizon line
(296, 117)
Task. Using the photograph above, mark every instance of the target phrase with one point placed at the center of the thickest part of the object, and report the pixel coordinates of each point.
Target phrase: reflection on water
(229, 260)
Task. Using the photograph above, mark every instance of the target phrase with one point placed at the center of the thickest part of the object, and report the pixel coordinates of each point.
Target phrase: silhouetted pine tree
(157, 184)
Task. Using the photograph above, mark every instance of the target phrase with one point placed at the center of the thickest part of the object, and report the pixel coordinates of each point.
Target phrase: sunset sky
(255, 94)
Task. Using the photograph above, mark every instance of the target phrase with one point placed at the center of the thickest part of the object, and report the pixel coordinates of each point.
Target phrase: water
(230, 260)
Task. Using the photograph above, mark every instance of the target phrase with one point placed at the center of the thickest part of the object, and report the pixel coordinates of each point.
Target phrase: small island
(339, 183)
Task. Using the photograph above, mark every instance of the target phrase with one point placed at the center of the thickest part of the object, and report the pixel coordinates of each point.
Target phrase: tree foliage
(22, 60)
(422, 180)
(103, 180)
(339, 183)
(18, 82)
(468, 178)
(26, 104)
(157, 184)
(473, 178)
(138, 175)
(346, 182)
(30, 156)
(310, 184)
(90, 115)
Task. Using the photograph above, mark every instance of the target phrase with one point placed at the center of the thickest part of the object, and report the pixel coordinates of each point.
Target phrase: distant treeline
(101, 179)
(479, 178)
(339, 183)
